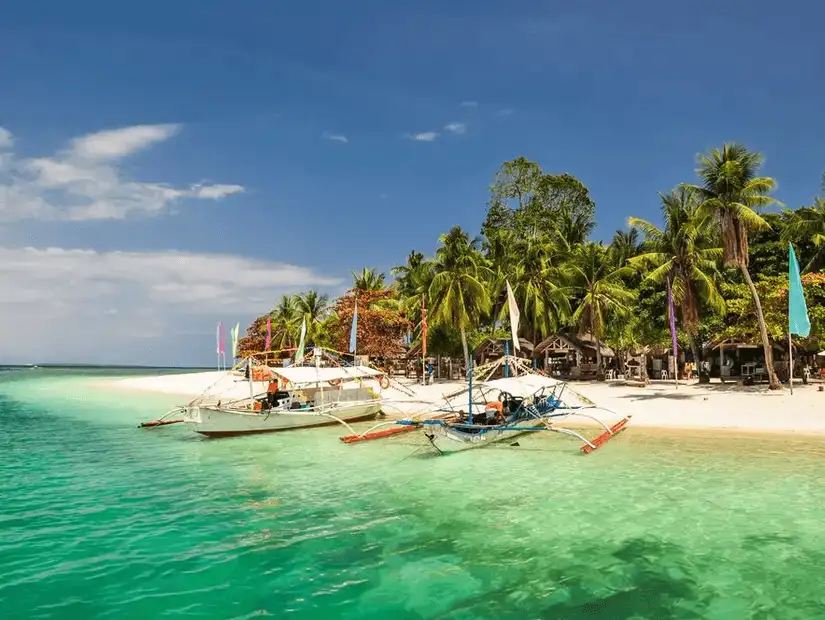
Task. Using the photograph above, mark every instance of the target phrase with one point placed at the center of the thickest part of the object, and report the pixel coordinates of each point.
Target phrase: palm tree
(594, 279)
(682, 251)
(284, 322)
(368, 280)
(535, 279)
(730, 194)
(313, 307)
(625, 245)
(413, 283)
(809, 223)
(458, 290)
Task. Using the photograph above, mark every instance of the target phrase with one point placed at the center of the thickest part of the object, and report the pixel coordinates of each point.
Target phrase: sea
(101, 519)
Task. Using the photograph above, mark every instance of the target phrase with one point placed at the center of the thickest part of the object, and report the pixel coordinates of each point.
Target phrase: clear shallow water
(102, 520)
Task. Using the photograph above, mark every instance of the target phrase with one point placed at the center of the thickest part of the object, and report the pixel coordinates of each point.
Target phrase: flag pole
(790, 361)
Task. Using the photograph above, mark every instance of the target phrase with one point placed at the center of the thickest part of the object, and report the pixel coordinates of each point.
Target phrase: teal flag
(798, 321)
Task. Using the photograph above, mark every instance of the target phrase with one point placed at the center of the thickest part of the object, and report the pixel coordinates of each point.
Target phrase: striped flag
(268, 333)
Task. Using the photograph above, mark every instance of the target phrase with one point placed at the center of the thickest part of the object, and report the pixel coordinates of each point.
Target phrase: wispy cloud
(427, 136)
(84, 181)
(457, 128)
(469, 104)
(334, 137)
(506, 112)
(6, 139)
(100, 294)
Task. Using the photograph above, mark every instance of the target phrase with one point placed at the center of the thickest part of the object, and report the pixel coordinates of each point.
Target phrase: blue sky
(238, 114)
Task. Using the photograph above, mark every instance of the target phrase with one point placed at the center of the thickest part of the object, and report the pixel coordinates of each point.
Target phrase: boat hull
(447, 440)
(213, 422)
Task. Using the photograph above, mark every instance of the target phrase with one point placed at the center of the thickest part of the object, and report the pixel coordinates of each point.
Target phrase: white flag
(514, 316)
(300, 352)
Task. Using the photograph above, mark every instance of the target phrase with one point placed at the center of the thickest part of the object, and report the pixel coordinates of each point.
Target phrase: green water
(101, 520)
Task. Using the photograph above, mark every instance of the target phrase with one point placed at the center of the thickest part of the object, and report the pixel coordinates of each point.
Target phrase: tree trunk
(466, 352)
(763, 329)
(599, 371)
(703, 378)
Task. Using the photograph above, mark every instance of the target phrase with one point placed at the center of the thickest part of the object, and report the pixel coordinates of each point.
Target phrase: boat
(303, 397)
(502, 409)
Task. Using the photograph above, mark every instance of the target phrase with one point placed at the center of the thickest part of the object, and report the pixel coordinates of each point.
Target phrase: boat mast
(251, 385)
(470, 390)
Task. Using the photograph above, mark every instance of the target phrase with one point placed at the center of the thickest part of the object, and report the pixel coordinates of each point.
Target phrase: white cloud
(427, 136)
(505, 112)
(469, 104)
(334, 137)
(83, 181)
(457, 128)
(117, 143)
(133, 307)
(6, 139)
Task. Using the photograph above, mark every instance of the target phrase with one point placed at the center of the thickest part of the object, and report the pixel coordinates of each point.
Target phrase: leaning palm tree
(458, 291)
(597, 282)
(682, 251)
(731, 193)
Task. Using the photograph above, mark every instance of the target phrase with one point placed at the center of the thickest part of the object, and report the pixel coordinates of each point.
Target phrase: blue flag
(353, 332)
(798, 321)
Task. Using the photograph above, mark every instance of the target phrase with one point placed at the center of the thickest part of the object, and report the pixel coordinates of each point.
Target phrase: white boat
(309, 396)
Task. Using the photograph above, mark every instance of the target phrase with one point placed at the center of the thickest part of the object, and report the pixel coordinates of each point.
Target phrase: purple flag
(268, 332)
(672, 319)
(221, 339)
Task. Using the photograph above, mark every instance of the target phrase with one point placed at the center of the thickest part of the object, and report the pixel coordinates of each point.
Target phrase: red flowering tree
(381, 322)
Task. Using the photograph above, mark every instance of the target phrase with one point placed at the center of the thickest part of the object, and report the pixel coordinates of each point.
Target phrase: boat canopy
(301, 375)
(523, 385)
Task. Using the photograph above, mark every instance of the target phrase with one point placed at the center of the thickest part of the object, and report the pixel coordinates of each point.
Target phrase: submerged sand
(659, 405)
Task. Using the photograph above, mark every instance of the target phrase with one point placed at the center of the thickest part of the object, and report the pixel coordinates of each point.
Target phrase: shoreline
(660, 407)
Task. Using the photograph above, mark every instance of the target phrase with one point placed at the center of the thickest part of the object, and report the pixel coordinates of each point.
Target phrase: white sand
(660, 405)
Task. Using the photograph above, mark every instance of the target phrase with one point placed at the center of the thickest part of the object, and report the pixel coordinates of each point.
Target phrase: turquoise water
(102, 520)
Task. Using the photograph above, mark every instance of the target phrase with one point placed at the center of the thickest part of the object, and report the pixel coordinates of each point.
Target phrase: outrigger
(499, 410)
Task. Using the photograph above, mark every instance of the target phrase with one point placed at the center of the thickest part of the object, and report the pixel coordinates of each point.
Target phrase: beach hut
(573, 356)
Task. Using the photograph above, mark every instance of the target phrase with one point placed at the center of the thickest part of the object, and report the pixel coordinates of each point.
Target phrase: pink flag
(221, 339)
(268, 333)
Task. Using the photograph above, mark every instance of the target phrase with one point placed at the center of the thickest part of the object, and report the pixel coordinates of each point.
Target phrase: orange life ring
(335, 382)
(384, 382)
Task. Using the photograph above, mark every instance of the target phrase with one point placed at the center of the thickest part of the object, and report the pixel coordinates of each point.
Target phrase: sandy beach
(662, 405)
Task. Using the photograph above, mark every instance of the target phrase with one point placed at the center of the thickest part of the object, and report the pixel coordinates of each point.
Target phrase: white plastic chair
(663, 375)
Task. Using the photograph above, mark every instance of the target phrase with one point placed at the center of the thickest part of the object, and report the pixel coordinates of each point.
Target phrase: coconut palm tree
(284, 322)
(458, 291)
(682, 250)
(809, 223)
(313, 307)
(597, 282)
(536, 283)
(368, 280)
(625, 245)
(731, 193)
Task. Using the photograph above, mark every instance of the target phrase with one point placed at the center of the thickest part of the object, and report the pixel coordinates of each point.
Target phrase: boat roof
(523, 385)
(312, 374)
